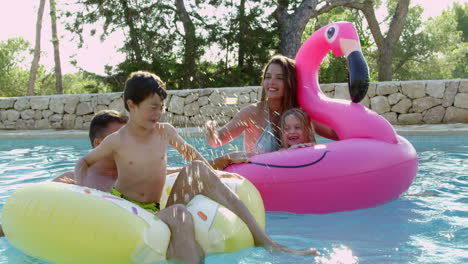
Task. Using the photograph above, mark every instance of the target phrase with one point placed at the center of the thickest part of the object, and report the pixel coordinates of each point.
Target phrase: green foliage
(414, 46)
(14, 74)
(442, 53)
(233, 40)
(461, 15)
(333, 69)
(252, 35)
(13, 78)
(79, 83)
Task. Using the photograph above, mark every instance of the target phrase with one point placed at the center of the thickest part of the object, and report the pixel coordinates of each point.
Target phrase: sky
(96, 54)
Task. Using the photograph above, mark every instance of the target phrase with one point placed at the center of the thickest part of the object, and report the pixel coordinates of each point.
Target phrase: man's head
(104, 123)
(141, 85)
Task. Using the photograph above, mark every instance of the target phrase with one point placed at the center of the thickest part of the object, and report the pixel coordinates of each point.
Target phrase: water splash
(338, 255)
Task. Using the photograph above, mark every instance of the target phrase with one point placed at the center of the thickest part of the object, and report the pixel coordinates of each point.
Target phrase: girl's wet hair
(141, 85)
(305, 120)
(290, 84)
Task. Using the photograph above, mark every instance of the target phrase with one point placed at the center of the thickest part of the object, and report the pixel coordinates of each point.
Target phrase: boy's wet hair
(290, 84)
(305, 120)
(101, 122)
(141, 85)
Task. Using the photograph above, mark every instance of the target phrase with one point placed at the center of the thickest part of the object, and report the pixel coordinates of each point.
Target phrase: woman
(261, 121)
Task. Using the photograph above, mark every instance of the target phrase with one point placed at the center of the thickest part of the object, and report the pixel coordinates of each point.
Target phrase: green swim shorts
(150, 207)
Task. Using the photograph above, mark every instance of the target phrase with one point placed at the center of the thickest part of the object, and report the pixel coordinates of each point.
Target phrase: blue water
(432, 228)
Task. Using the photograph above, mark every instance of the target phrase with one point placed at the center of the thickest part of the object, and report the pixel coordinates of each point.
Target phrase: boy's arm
(220, 163)
(103, 150)
(184, 148)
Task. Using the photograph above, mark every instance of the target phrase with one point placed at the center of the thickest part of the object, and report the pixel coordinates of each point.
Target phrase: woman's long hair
(290, 84)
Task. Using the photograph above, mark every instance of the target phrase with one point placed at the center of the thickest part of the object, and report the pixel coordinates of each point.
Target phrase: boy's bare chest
(142, 155)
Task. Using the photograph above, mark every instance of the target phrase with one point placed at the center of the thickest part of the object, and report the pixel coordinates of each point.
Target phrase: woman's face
(273, 82)
(294, 131)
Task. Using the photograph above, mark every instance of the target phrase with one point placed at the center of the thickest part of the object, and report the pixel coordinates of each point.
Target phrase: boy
(103, 173)
(139, 149)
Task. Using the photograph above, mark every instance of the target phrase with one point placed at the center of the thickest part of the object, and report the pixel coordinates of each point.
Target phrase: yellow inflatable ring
(62, 223)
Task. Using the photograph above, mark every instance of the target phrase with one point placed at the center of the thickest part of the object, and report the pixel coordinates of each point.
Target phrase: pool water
(428, 224)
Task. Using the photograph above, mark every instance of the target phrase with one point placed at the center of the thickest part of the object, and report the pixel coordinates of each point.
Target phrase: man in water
(103, 174)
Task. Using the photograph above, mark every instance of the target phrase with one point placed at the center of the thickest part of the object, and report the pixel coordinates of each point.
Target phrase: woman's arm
(231, 130)
(325, 131)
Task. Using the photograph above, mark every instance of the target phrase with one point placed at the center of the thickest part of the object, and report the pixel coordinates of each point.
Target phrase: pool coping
(403, 130)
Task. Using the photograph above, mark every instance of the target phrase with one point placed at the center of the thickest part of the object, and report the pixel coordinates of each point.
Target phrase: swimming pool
(411, 229)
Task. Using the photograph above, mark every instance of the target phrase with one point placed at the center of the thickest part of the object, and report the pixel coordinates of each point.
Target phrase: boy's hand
(222, 162)
(170, 170)
(211, 133)
(67, 180)
(302, 145)
(239, 156)
(211, 126)
(228, 175)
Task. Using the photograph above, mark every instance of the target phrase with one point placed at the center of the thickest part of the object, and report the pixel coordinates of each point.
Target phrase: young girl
(297, 129)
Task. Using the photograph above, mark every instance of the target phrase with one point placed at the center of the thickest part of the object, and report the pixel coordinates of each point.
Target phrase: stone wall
(402, 103)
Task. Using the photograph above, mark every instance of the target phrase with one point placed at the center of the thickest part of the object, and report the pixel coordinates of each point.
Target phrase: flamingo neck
(308, 66)
(349, 120)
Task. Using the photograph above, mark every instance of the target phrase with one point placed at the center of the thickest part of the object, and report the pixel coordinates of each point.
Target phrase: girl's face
(148, 112)
(273, 82)
(294, 131)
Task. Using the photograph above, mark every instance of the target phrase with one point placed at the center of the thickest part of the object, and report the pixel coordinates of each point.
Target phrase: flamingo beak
(358, 76)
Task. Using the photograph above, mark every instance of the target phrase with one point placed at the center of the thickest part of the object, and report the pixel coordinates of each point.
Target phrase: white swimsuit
(267, 141)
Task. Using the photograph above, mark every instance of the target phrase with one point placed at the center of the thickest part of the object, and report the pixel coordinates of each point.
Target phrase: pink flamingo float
(368, 166)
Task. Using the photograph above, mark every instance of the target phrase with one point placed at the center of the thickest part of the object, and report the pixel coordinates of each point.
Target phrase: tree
(292, 17)
(386, 44)
(55, 42)
(191, 46)
(37, 49)
(245, 38)
(153, 38)
(14, 79)
(292, 24)
(448, 58)
(333, 69)
(413, 47)
(461, 14)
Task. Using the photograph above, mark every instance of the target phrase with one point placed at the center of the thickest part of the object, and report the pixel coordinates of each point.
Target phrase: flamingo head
(343, 40)
(349, 120)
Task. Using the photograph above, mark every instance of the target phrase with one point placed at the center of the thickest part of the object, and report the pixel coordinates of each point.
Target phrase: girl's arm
(231, 130)
(100, 152)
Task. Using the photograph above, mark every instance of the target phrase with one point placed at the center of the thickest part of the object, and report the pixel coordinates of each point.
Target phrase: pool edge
(403, 130)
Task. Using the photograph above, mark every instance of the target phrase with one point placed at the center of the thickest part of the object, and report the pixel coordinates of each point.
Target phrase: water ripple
(428, 224)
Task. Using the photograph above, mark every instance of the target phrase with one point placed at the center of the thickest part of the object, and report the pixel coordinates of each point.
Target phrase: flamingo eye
(331, 33)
